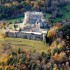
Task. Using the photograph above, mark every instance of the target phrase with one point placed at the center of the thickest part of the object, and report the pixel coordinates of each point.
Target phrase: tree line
(16, 8)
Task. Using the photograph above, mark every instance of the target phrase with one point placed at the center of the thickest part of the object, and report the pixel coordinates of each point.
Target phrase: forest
(56, 9)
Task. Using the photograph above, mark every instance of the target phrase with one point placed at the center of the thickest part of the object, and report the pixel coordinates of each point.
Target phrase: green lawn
(15, 19)
(47, 16)
(66, 14)
(26, 44)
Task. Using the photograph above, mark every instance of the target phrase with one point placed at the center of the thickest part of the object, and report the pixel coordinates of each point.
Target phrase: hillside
(17, 43)
(25, 54)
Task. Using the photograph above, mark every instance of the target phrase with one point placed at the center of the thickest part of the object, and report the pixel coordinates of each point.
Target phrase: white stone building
(34, 27)
(32, 17)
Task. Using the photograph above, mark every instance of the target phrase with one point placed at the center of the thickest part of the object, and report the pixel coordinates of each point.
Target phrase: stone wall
(24, 35)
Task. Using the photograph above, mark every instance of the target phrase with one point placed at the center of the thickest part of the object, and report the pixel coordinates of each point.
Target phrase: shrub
(19, 50)
(54, 50)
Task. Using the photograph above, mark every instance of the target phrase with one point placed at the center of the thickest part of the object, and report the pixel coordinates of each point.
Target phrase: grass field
(66, 14)
(15, 19)
(25, 44)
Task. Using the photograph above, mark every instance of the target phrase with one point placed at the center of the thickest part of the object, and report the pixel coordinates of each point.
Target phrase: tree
(66, 34)
(19, 50)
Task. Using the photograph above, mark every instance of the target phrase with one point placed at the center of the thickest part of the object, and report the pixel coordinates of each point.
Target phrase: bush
(54, 50)
(2, 36)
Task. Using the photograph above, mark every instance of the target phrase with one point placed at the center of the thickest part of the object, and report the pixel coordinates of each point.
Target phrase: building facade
(33, 27)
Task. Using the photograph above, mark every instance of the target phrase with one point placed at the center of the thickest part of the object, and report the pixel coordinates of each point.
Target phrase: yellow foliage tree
(8, 4)
(51, 32)
(15, 3)
(2, 36)
(6, 67)
(56, 56)
(55, 68)
(59, 46)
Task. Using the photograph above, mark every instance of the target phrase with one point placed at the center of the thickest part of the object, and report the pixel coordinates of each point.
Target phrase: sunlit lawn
(15, 19)
(26, 44)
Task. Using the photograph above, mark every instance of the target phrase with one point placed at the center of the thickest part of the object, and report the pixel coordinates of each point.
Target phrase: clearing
(25, 44)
